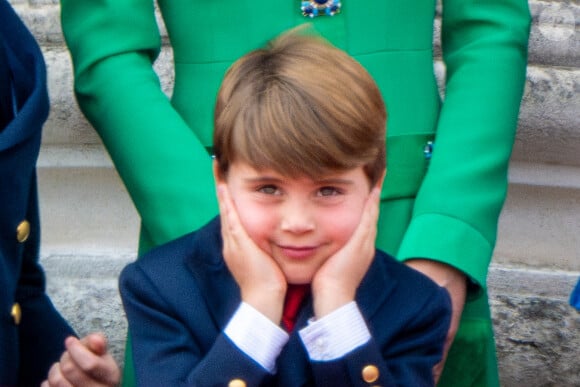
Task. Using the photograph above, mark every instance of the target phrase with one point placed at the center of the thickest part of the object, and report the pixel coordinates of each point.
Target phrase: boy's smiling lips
(298, 252)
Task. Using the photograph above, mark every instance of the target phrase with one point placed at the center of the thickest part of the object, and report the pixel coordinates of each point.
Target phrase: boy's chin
(299, 283)
(298, 280)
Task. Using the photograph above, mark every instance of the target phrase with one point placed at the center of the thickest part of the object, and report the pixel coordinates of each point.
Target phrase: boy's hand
(335, 283)
(84, 363)
(262, 283)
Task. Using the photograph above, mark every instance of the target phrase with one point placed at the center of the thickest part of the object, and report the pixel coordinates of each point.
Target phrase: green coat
(442, 205)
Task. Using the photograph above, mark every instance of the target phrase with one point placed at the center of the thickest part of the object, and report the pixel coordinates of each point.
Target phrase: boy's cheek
(257, 225)
(343, 225)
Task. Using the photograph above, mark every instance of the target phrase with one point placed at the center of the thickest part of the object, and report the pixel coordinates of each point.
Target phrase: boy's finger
(78, 351)
(363, 238)
(223, 209)
(373, 208)
(368, 222)
(235, 228)
(374, 201)
(56, 378)
(226, 205)
(83, 356)
(96, 368)
(96, 343)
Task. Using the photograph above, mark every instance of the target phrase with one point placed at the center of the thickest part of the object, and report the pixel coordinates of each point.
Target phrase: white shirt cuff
(257, 336)
(336, 334)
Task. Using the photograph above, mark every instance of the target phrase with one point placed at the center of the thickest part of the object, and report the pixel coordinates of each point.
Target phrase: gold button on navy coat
(16, 313)
(237, 383)
(370, 373)
(26, 313)
(23, 231)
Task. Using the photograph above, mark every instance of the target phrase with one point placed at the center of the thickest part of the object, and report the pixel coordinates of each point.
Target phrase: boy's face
(299, 222)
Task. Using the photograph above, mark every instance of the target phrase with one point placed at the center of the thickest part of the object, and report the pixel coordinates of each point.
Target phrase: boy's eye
(328, 191)
(269, 189)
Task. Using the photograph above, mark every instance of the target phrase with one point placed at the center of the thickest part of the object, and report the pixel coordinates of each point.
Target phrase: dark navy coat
(32, 332)
(180, 296)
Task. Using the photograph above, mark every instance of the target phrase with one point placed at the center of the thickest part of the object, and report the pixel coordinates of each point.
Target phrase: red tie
(295, 294)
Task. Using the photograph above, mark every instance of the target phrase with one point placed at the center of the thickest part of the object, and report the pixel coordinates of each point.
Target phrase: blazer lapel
(293, 365)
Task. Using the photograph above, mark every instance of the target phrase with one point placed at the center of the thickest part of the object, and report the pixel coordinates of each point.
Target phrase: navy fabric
(180, 296)
(27, 350)
(6, 109)
(575, 297)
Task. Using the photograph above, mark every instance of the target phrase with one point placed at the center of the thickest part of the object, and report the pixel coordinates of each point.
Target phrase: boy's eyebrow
(334, 181)
(262, 179)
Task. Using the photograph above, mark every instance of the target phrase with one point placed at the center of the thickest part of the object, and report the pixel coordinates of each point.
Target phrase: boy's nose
(296, 218)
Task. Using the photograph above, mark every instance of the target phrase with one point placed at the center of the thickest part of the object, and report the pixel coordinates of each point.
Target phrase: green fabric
(471, 360)
(445, 208)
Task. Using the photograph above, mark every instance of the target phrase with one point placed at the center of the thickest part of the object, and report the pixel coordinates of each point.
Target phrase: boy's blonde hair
(302, 108)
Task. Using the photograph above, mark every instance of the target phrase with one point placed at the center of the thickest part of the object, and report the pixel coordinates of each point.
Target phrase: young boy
(286, 287)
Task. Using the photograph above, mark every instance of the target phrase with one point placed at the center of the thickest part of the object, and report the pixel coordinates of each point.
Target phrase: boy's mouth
(298, 252)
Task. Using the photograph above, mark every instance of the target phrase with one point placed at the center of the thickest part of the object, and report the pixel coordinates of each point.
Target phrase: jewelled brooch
(313, 8)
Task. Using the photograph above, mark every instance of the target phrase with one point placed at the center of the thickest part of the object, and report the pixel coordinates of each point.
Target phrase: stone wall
(90, 226)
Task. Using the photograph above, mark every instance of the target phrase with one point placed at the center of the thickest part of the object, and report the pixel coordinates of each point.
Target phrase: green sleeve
(456, 211)
(165, 168)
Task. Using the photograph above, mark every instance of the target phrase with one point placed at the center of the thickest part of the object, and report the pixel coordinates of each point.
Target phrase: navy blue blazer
(180, 296)
(32, 332)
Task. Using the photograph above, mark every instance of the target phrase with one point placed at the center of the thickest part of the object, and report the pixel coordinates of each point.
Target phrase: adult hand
(335, 283)
(85, 363)
(456, 284)
(262, 283)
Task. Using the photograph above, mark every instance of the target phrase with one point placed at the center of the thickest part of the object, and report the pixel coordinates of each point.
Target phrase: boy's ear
(381, 180)
(217, 176)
